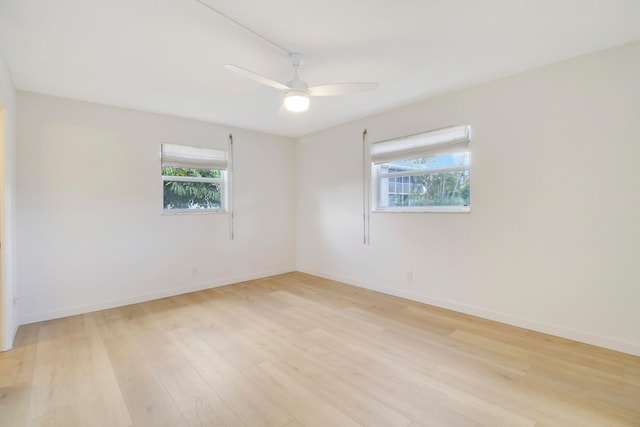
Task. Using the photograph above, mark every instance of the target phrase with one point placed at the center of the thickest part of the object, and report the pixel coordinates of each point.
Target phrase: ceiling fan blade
(342, 89)
(255, 76)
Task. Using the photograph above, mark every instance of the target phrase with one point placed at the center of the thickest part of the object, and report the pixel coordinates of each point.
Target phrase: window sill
(425, 209)
(192, 212)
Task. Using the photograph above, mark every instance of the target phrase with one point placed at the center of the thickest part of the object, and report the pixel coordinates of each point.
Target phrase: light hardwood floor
(298, 350)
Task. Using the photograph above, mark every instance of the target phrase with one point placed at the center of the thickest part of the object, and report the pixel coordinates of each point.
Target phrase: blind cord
(365, 192)
(230, 185)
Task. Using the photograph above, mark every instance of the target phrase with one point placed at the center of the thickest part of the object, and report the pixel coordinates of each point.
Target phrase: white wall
(8, 313)
(90, 230)
(553, 238)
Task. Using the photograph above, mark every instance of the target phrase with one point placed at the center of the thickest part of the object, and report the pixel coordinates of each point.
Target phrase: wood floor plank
(96, 386)
(544, 404)
(349, 399)
(195, 398)
(298, 350)
(16, 378)
(53, 391)
(396, 384)
(252, 405)
(148, 402)
(307, 407)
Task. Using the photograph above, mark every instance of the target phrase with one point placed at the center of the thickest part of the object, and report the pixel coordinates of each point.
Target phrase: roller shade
(439, 141)
(184, 156)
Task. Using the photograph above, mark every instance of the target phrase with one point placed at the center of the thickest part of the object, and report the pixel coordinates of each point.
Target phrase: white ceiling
(167, 56)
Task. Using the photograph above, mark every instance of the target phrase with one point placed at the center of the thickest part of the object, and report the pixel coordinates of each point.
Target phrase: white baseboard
(559, 331)
(534, 325)
(72, 311)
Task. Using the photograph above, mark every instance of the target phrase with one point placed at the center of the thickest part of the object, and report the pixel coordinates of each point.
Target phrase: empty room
(300, 213)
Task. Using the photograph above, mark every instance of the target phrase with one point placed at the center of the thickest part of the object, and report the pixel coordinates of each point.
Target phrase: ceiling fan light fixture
(296, 101)
(297, 93)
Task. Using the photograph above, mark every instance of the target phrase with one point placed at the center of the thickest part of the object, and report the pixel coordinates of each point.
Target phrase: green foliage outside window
(191, 194)
(447, 188)
(441, 189)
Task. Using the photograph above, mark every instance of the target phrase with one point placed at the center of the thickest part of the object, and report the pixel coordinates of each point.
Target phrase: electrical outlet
(409, 275)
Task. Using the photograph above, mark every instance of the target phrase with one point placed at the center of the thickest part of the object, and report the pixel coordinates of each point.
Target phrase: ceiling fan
(298, 92)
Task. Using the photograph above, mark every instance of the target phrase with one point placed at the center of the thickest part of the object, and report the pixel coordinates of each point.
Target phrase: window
(193, 179)
(428, 172)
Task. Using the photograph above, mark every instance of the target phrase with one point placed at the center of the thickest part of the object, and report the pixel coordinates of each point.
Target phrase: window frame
(223, 181)
(378, 176)
(452, 146)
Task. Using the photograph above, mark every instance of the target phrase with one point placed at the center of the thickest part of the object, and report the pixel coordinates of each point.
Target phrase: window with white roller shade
(426, 172)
